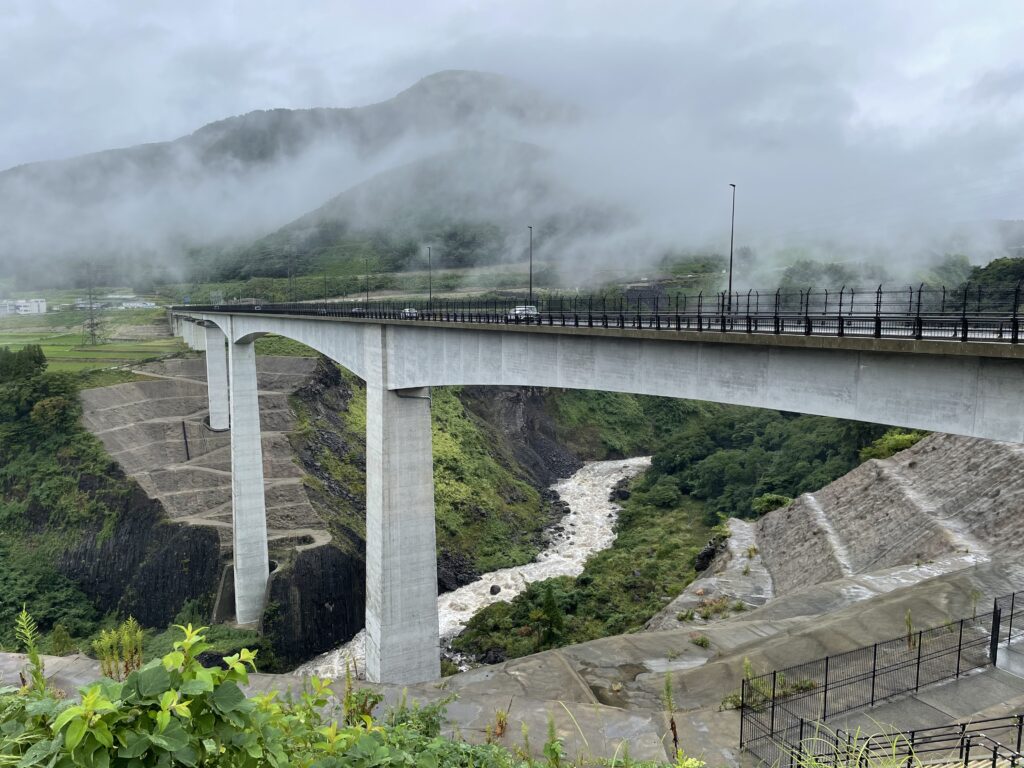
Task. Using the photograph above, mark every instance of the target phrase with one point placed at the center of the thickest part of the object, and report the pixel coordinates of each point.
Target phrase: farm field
(124, 337)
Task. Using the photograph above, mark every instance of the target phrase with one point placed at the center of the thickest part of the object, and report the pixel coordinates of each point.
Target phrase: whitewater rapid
(588, 527)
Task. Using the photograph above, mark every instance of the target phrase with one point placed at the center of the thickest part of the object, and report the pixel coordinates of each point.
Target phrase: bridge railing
(977, 314)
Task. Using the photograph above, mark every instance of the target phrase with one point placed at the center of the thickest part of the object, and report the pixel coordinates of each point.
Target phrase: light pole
(366, 263)
(732, 234)
(430, 282)
(530, 301)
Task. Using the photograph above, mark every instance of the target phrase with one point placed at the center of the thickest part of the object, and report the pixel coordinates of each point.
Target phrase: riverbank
(587, 528)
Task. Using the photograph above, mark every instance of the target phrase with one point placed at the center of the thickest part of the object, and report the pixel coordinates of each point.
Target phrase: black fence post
(1015, 322)
(874, 671)
(743, 709)
(824, 696)
(917, 677)
(993, 645)
(878, 312)
(771, 725)
(1009, 625)
(959, 648)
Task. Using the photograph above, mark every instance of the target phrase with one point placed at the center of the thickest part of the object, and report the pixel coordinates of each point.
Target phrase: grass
(62, 338)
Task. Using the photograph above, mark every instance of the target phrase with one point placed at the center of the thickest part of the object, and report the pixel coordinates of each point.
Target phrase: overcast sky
(903, 99)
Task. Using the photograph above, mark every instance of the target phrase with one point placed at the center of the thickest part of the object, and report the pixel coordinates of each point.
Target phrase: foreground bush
(175, 712)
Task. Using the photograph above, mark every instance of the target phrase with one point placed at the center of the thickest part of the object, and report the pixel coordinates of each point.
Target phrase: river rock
(495, 589)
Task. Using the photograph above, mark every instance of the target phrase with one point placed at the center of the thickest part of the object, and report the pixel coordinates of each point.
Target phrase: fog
(867, 130)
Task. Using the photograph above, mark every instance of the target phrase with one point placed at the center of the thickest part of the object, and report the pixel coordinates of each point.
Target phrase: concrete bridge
(964, 383)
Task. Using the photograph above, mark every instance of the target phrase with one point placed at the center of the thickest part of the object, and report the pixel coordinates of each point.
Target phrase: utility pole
(430, 282)
(732, 235)
(531, 265)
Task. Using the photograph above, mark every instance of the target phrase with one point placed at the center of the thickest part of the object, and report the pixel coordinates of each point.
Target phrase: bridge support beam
(217, 377)
(402, 643)
(249, 515)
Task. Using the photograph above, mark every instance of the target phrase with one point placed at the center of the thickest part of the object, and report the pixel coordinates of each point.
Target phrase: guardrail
(781, 709)
(966, 314)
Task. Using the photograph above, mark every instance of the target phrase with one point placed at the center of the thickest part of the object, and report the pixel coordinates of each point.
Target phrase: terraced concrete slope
(947, 503)
(157, 432)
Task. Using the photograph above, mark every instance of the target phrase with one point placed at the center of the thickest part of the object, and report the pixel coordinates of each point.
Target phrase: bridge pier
(248, 507)
(402, 642)
(217, 377)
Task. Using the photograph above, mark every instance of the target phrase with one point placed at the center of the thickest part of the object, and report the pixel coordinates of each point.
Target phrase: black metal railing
(994, 741)
(964, 314)
(779, 709)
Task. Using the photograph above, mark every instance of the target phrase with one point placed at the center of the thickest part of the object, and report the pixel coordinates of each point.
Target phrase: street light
(430, 282)
(366, 263)
(732, 234)
(530, 301)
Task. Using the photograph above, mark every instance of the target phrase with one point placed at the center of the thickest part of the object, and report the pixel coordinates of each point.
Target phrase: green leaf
(66, 716)
(39, 752)
(196, 687)
(151, 681)
(76, 730)
(172, 739)
(227, 697)
(135, 744)
(186, 756)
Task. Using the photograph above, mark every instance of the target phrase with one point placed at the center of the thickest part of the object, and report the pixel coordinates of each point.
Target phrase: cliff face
(144, 566)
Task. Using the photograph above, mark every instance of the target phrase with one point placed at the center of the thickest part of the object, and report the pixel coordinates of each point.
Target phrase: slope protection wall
(947, 503)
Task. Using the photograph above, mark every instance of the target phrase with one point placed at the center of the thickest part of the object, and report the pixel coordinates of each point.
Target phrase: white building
(30, 306)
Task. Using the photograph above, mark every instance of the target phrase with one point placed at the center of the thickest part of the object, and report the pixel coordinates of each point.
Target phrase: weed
(700, 641)
(28, 637)
(670, 708)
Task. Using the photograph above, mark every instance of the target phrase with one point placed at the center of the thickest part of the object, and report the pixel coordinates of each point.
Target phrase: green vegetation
(175, 711)
(620, 588)
(607, 425)
(892, 442)
(484, 508)
(743, 461)
(46, 461)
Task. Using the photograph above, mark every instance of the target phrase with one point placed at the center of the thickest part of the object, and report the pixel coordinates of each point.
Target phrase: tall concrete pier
(402, 642)
(249, 515)
(217, 376)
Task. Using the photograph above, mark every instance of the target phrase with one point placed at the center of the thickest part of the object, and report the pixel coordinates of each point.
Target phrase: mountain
(237, 179)
(471, 204)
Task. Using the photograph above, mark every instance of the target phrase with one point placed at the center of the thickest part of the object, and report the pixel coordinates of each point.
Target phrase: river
(588, 527)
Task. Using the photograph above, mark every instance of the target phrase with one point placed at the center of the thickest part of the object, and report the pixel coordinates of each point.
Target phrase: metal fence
(990, 741)
(780, 709)
(963, 314)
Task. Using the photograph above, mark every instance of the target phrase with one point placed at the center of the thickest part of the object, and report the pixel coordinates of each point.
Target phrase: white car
(410, 313)
(522, 314)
